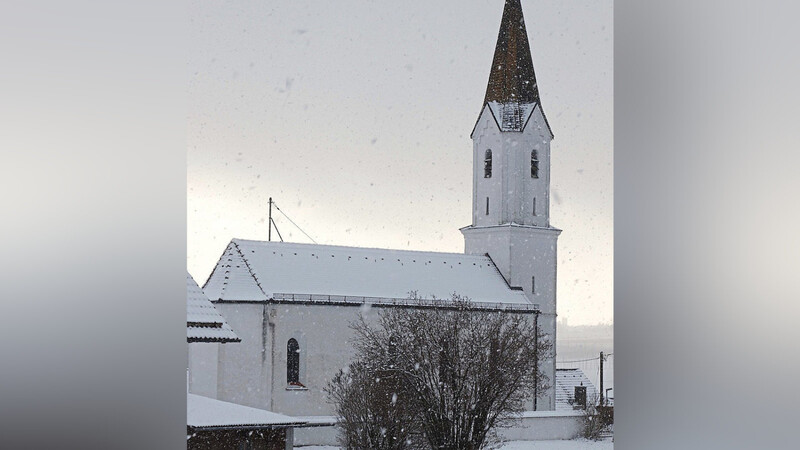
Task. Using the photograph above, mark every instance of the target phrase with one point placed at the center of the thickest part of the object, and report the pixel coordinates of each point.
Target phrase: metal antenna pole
(601, 378)
(269, 233)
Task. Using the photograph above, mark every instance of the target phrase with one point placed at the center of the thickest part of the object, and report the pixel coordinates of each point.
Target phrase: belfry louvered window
(534, 164)
(293, 362)
(487, 164)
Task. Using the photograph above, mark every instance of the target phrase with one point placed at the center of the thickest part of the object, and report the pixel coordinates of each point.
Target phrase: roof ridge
(211, 275)
(250, 269)
(347, 247)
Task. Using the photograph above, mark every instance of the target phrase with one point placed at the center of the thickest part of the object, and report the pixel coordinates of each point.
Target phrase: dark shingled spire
(512, 79)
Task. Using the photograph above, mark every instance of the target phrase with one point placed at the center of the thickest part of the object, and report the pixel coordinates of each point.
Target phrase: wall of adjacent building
(203, 362)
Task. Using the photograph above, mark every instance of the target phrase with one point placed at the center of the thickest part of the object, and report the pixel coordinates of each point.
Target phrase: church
(291, 304)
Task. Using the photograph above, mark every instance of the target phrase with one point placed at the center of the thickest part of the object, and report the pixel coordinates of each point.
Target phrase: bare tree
(594, 420)
(370, 415)
(460, 371)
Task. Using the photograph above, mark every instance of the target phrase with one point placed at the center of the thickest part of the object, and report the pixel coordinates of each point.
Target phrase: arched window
(487, 164)
(534, 164)
(293, 362)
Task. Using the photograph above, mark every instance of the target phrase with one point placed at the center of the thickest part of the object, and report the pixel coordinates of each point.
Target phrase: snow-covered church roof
(278, 271)
(203, 322)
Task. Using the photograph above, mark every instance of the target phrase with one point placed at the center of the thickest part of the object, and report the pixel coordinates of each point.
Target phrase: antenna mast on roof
(269, 224)
(272, 222)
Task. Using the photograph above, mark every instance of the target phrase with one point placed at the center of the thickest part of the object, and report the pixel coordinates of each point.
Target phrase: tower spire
(512, 79)
(512, 93)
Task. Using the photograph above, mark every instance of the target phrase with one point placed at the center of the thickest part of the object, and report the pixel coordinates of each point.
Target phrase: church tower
(511, 179)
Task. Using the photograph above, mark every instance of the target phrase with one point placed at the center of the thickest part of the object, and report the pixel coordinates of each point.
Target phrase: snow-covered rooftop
(511, 116)
(203, 322)
(566, 380)
(204, 412)
(261, 271)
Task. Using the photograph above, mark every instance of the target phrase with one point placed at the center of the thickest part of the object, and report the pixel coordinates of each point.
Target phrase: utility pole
(269, 233)
(536, 357)
(601, 378)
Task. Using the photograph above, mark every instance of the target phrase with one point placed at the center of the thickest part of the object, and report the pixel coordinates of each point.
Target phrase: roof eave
(485, 105)
(192, 428)
(212, 340)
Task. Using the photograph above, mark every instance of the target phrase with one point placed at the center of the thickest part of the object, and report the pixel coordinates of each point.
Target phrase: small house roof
(204, 412)
(566, 380)
(203, 322)
(263, 271)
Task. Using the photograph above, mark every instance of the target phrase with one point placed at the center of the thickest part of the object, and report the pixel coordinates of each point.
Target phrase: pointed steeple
(512, 79)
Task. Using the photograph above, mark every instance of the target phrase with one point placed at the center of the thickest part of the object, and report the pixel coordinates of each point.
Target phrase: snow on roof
(511, 116)
(203, 322)
(566, 380)
(261, 271)
(204, 412)
(318, 421)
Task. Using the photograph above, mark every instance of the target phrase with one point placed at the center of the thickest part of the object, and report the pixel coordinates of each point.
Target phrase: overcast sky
(355, 117)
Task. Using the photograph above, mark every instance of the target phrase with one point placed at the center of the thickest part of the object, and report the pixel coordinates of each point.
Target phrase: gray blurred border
(93, 177)
(706, 294)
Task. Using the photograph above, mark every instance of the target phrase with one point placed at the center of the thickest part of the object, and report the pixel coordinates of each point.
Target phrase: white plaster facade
(253, 372)
(203, 364)
(511, 189)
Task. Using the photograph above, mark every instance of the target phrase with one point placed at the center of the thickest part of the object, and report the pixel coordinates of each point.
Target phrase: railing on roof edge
(354, 299)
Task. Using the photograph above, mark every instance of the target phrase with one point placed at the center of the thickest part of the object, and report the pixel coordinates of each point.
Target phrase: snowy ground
(576, 444)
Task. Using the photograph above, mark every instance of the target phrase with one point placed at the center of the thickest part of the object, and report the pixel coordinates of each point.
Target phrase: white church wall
(244, 368)
(487, 137)
(479, 241)
(511, 189)
(522, 253)
(325, 349)
(535, 136)
(254, 372)
(534, 268)
(547, 401)
(533, 264)
(203, 359)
